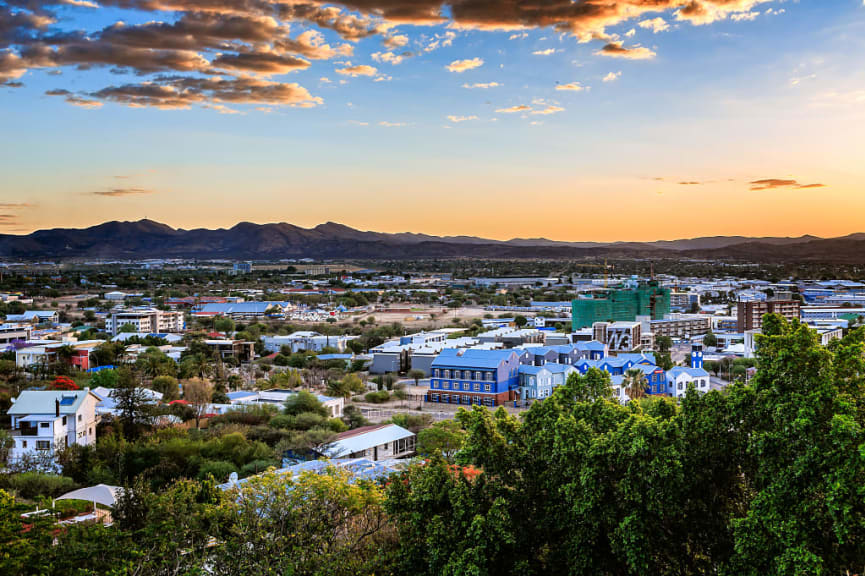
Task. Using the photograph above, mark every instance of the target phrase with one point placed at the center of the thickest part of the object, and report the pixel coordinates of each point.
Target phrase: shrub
(308, 420)
(379, 397)
(219, 469)
(32, 485)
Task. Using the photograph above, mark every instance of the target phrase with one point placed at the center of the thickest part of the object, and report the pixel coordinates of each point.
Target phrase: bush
(258, 466)
(379, 397)
(32, 485)
(282, 422)
(219, 469)
(308, 420)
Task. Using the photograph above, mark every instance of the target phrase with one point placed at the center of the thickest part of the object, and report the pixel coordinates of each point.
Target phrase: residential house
(44, 421)
(378, 442)
(538, 382)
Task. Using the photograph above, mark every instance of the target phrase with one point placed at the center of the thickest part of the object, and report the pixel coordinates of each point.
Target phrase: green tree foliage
(104, 378)
(443, 439)
(765, 479)
(167, 386)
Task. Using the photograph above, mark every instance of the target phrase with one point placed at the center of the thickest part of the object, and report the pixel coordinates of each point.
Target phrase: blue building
(538, 382)
(473, 376)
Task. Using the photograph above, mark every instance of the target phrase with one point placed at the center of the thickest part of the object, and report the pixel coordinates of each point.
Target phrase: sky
(567, 119)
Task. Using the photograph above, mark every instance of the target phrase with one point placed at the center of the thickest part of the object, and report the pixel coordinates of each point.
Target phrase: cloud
(656, 25)
(395, 41)
(387, 124)
(744, 16)
(774, 183)
(238, 39)
(514, 109)
(547, 52)
(458, 119)
(463, 65)
(690, 183)
(618, 50)
(572, 87)
(181, 92)
(120, 192)
(358, 70)
(390, 57)
(612, 76)
(547, 110)
(482, 85)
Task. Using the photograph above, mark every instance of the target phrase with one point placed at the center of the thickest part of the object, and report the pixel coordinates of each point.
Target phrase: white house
(44, 420)
(34, 316)
(378, 442)
(680, 377)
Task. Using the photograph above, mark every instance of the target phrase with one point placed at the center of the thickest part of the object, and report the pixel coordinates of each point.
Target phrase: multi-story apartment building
(473, 376)
(750, 314)
(618, 336)
(145, 320)
(678, 326)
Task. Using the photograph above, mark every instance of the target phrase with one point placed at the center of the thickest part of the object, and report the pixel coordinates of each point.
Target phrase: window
(466, 386)
(681, 385)
(43, 445)
(43, 424)
(433, 384)
(434, 397)
(79, 417)
(478, 400)
(436, 372)
(487, 388)
(477, 387)
(457, 374)
(446, 398)
(64, 420)
(446, 385)
(24, 443)
(447, 373)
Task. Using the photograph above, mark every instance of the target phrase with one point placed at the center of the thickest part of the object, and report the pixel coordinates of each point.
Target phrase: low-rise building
(378, 442)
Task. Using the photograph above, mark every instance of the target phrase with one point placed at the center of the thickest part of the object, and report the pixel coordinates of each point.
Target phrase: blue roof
(334, 356)
(639, 357)
(240, 394)
(471, 358)
(592, 345)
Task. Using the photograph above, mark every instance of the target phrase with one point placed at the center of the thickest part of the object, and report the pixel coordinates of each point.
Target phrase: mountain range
(148, 239)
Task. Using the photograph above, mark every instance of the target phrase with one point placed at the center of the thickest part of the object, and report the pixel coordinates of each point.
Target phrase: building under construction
(622, 304)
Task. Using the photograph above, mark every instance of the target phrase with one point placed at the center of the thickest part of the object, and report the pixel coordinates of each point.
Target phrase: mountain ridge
(148, 239)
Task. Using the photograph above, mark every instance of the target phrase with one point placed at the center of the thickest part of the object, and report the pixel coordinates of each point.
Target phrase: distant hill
(149, 239)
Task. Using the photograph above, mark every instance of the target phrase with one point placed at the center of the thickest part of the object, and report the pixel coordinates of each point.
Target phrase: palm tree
(635, 383)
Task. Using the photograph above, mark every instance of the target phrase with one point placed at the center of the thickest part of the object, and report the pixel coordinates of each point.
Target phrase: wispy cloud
(459, 119)
(617, 49)
(461, 66)
(357, 70)
(482, 85)
(571, 87)
(120, 192)
(774, 183)
(612, 76)
(547, 52)
(514, 109)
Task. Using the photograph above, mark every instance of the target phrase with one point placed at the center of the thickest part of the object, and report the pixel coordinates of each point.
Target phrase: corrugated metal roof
(366, 440)
(43, 401)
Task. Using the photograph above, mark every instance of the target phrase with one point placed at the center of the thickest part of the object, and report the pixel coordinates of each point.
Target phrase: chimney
(56, 408)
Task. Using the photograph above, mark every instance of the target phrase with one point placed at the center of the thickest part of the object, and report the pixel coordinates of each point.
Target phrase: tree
(635, 383)
(224, 325)
(131, 401)
(416, 375)
(520, 320)
(663, 344)
(167, 386)
(710, 340)
(104, 379)
(304, 401)
(306, 524)
(199, 394)
(63, 383)
(443, 439)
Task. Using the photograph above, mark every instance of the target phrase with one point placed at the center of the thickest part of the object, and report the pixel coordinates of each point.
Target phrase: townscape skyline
(482, 118)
